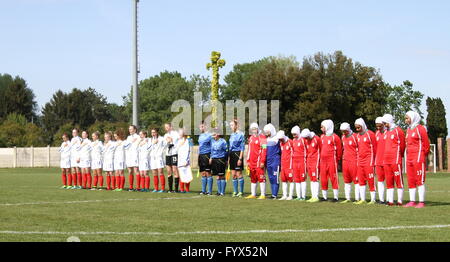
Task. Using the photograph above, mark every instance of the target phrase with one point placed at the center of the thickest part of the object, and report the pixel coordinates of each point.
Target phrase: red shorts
(349, 172)
(394, 176)
(366, 174)
(313, 172)
(299, 170)
(287, 175)
(257, 175)
(328, 171)
(416, 174)
(379, 170)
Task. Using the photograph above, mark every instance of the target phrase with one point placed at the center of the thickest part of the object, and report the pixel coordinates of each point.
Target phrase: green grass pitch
(34, 208)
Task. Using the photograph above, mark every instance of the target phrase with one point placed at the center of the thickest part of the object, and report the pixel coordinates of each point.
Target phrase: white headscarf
(388, 118)
(312, 134)
(415, 119)
(281, 135)
(346, 127)
(295, 130)
(379, 120)
(329, 127)
(305, 133)
(360, 122)
(270, 128)
(254, 125)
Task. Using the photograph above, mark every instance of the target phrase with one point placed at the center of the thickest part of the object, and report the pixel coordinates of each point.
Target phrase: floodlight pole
(135, 70)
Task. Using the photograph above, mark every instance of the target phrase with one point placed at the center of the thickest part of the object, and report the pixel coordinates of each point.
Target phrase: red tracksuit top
(286, 154)
(257, 148)
(417, 144)
(380, 148)
(313, 147)
(394, 147)
(350, 145)
(367, 149)
(331, 148)
(299, 149)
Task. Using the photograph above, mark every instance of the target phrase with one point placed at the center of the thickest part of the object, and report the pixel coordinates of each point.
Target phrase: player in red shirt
(313, 146)
(379, 169)
(417, 149)
(349, 161)
(287, 175)
(299, 162)
(256, 157)
(394, 149)
(367, 149)
(329, 156)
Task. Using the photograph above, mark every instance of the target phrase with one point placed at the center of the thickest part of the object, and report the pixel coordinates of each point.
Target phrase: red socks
(130, 179)
(79, 178)
(122, 180)
(64, 178)
(187, 185)
(108, 182)
(162, 180)
(156, 183)
(100, 179)
(89, 180)
(147, 182)
(95, 180)
(181, 186)
(69, 179)
(138, 182)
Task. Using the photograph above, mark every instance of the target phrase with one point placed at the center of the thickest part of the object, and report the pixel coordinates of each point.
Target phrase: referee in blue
(204, 150)
(236, 158)
(218, 161)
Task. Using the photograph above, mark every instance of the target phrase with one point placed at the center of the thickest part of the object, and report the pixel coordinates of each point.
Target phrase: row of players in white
(135, 151)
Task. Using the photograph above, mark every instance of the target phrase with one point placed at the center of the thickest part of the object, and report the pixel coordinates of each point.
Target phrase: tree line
(318, 87)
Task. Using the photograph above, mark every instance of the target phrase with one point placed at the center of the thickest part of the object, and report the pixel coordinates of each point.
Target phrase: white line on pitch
(96, 201)
(228, 232)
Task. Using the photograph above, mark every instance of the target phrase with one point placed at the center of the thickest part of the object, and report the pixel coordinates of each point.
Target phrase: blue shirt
(237, 142)
(219, 148)
(273, 152)
(204, 141)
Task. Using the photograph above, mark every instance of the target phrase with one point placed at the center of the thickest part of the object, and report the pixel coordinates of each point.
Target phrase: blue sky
(62, 44)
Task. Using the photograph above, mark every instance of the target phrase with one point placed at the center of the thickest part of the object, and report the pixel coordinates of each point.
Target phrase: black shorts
(234, 158)
(203, 162)
(172, 160)
(218, 166)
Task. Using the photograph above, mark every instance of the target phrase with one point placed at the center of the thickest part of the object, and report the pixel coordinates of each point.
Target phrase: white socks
(253, 188)
(262, 186)
(324, 194)
(381, 191)
(291, 190)
(373, 195)
(336, 193)
(421, 190)
(298, 190)
(285, 189)
(303, 189)
(348, 191)
(362, 193)
(412, 195)
(400, 195)
(314, 189)
(356, 192)
(390, 195)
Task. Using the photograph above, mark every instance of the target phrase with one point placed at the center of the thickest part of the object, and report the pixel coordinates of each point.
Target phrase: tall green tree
(401, 99)
(79, 107)
(436, 120)
(16, 97)
(15, 130)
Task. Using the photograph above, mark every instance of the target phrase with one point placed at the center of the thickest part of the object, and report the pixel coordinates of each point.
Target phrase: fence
(46, 157)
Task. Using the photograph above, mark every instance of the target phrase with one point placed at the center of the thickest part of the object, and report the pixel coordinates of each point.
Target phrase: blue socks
(209, 182)
(221, 185)
(235, 186)
(224, 185)
(204, 181)
(241, 184)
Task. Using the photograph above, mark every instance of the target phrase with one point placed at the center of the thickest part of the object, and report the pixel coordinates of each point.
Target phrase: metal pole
(135, 65)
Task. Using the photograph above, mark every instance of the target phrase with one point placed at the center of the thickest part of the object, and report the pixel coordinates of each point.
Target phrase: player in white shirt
(108, 160)
(97, 160)
(119, 158)
(157, 161)
(84, 160)
(131, 156)
(144, 162)
(64, 150)
(184, 166)
(171, 138)
(75, 143)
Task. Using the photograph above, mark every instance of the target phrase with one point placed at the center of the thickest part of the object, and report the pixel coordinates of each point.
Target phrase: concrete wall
(46, 157)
